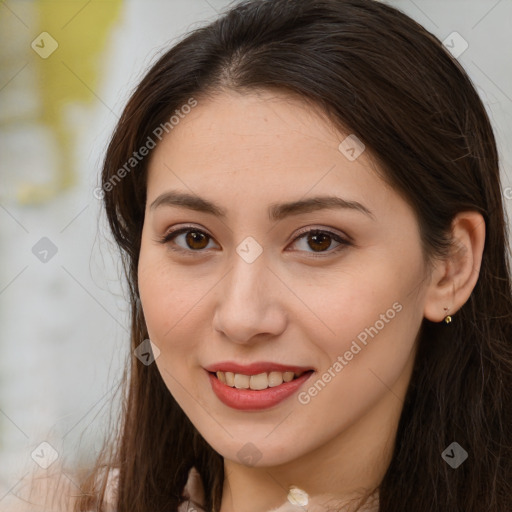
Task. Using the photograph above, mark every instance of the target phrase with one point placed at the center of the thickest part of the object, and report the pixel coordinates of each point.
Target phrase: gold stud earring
(447, 318)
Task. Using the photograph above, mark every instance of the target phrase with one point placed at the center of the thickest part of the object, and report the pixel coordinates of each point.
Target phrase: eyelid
(342, 239)
(166, 238)
(324, 229)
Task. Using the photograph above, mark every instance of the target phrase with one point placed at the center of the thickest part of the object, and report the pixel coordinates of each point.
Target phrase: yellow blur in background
(63, 42)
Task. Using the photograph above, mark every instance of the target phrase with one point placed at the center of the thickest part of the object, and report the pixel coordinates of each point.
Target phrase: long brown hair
(378, 73)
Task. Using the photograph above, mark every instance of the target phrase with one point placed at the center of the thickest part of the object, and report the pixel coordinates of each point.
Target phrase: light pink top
(193, 491)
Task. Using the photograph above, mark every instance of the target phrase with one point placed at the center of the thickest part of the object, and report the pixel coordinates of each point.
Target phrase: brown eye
(196, 239)
(319, 241)
(191, 240)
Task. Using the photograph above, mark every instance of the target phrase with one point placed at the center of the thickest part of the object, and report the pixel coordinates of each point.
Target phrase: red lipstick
(250, 399)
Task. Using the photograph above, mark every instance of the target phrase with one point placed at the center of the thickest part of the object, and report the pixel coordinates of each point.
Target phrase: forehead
(264, 144)
(259, 122)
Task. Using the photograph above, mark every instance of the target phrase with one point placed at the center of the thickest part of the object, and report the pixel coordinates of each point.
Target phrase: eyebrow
(276, 211)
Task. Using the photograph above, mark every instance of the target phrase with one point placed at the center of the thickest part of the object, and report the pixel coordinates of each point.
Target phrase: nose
(249, 308)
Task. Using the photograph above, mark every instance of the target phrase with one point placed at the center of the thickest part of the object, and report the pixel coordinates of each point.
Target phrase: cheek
(168, 307)
(175, 308)
(369, 321)
(167, 294)
(368, 360)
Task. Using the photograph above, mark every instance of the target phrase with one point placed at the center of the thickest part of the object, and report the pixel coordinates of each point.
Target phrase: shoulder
(53, 491)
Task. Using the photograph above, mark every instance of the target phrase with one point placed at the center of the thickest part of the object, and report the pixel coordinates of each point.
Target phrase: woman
(307, 199)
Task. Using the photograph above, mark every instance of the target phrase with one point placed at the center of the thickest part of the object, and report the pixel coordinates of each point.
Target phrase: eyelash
(343, 242)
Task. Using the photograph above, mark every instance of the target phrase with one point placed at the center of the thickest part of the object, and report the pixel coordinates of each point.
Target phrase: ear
(454, 278)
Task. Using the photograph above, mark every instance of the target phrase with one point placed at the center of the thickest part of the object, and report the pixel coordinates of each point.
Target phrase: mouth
(257, 382)
(257, 389)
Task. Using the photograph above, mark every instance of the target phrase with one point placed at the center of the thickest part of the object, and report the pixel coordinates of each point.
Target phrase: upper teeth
(260, 381)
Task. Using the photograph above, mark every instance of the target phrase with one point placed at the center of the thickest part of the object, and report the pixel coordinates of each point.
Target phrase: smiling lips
(256, 386)
(256, 376)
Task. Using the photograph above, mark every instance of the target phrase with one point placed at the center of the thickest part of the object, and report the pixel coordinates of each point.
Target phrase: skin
(244, 153)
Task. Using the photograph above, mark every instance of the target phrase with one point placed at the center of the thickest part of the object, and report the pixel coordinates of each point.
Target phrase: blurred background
(66, 70)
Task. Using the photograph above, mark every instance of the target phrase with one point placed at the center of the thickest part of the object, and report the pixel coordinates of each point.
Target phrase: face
(231, 276)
